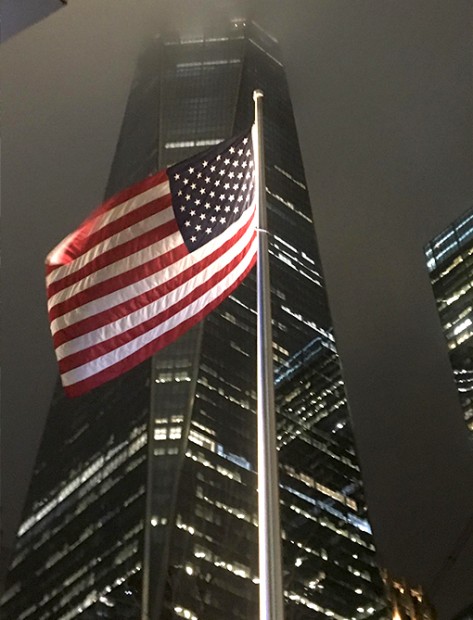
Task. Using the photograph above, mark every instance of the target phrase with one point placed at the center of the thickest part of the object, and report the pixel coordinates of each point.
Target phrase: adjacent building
(109, 511)
(450, 264)
(408, 603)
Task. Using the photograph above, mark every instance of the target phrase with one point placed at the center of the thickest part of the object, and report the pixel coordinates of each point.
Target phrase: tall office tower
(107, 510)
(329, 556)
(450, 264)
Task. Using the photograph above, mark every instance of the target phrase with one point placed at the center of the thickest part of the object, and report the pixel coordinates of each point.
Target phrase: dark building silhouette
(86, 544)
(450, 264)
(16, 16)
(465, 614)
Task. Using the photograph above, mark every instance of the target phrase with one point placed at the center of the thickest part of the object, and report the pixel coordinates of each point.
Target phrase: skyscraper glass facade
(329, 556)
(450, 263)
(85, 547)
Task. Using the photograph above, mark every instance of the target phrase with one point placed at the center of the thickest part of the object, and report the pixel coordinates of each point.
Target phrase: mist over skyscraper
(80, 549)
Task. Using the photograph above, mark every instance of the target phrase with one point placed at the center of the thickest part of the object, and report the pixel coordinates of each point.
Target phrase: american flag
(150, 263)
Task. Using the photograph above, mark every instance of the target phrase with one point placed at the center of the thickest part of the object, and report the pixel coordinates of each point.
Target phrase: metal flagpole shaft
(145, 587)
(269, 533)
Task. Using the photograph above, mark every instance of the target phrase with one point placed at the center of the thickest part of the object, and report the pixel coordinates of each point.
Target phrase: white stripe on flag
(118, 267)
(143, 314)
(138, 288)
(153, 193)
(105, 361)
(127, 234)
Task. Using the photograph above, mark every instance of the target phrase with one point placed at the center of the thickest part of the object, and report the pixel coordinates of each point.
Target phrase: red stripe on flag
(162, 341)
(128, 247)
(79, 237)
(116, 312)
(103, 347)
(125, 221)
(120, 280)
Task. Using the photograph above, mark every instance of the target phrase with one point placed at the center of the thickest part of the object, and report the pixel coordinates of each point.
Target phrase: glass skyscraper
(83, 548)
(329, 556)
(450, 263)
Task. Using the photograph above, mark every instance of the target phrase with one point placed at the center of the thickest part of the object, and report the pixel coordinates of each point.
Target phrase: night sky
(383, 97)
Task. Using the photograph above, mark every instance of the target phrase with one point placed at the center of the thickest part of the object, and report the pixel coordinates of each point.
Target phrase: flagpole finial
(257, 94)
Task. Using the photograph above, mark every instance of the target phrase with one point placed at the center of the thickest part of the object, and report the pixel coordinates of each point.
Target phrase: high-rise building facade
(329, 556)
(450, 264)
(93, 529)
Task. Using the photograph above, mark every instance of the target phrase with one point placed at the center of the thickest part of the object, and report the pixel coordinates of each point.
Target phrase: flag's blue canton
(211, 191)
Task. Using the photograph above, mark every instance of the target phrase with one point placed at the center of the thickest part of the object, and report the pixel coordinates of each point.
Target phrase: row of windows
(105, 466)
(313, 484)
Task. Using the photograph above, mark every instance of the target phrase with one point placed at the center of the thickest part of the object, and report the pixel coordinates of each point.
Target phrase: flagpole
(145, 585)
(269, 532)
